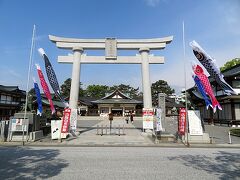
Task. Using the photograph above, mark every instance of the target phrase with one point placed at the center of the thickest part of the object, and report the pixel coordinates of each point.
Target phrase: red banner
(45, 88)
(148, 112)
(66, 120)
(182, 121)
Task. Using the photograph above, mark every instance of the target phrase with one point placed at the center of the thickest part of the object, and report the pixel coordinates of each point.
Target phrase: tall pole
(28, 79)
(185, 80)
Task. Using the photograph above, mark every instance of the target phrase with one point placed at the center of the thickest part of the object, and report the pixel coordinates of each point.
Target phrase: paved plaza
(95, 131)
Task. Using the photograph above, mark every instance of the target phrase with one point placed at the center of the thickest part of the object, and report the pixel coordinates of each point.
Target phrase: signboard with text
(159, 118)
(182, 121)
(73, 120)
(19, 124)
(55, 128)
(195, 125)
(148, 115)
(66, 120)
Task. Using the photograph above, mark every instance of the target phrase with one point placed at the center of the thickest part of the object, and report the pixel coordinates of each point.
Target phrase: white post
(229, 137)
(77, 52)
(185, 82)
(146, 83)
(123, 111)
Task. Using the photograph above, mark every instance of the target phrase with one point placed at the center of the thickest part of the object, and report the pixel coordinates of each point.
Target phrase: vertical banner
(148, 115)
(45, 88)
(52, 78)
(39, 98)
(158, 122)
(66, 120)
(73, 120)
(182, 121)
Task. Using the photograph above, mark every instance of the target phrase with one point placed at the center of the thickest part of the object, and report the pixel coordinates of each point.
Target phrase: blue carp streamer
(39, 99)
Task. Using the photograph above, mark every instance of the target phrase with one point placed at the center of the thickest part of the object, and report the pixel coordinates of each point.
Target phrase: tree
(97, 91)
(127, 89)
(230, 64)
(160, 86)
(66, 86)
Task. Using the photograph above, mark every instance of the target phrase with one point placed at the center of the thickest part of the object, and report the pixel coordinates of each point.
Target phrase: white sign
(158, 116)
(73, 120)
(148, 118)
(56, 128)
(195, 125)
(19, 124)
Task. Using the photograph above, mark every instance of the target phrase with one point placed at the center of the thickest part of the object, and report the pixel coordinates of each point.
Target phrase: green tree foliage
(32, 92)
(126, 89)
(66, 86)
(230, 64)
(160, 86)
(97, 91)
(30, 99)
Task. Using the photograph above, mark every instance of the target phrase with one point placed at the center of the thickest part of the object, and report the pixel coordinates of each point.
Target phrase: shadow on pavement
(225, 164)
(86, 129)
(27, 163)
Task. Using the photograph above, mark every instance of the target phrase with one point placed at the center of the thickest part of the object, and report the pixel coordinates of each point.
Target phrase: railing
(111, 130)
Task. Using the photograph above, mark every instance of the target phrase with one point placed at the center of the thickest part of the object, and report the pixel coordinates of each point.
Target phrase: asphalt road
(92, 163)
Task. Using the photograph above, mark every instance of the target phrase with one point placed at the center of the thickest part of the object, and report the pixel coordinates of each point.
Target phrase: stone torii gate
(111, 45)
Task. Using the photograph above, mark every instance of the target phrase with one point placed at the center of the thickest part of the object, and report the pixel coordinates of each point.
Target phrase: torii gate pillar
(74, 91)
(146, 83)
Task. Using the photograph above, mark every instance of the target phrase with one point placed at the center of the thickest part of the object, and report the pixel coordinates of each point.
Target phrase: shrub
(235, 132)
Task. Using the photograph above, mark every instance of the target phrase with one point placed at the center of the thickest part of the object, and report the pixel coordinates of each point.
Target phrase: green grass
(235, 132)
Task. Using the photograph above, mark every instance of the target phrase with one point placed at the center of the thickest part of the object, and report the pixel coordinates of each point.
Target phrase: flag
(45, 88)
(207, 86)
(202, 90)
(52, 78)
(39, 99)
(210, 65)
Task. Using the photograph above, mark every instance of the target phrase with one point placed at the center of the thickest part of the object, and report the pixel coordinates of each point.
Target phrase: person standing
(131, 117)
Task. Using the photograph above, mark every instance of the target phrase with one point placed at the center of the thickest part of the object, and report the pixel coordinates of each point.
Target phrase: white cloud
(6, 70)
(14, 73)
(174, 75)
(231, 13)
(41, 37)
(152, 3)
(11, 77)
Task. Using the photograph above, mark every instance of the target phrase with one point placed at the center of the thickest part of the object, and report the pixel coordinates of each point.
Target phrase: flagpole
(29, 72)
(185, 80)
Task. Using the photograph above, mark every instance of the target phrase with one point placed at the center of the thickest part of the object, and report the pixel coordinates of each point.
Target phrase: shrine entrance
(111, 46)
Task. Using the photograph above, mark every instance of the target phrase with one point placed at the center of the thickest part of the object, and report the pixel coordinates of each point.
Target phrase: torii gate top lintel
(121, 44)
(166, 40)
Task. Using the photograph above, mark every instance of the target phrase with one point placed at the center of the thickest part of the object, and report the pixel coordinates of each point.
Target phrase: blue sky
(214, 24)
